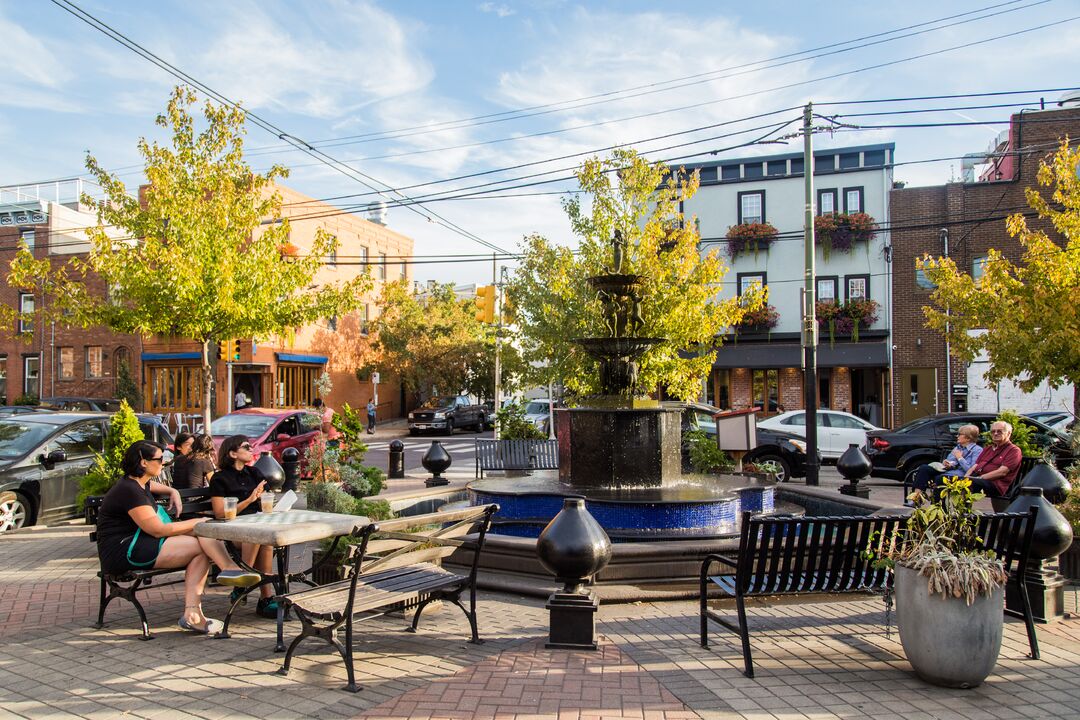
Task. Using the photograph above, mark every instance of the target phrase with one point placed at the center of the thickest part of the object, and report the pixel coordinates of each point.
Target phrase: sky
(410, 93)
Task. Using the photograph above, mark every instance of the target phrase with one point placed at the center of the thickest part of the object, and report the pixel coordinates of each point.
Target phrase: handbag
(165, 518)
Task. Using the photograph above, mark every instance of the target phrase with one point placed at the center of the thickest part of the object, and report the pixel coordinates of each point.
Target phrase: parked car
(489, 414)
(270, 430)
(43, 457)
(895, 453)
(538, 413)
(9, 410)
(446, 413)
(81, 404)
(836, 430)
(1057, 419)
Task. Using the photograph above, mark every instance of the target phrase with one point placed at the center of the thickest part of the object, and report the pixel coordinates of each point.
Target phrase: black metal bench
(789, 556)
(196, 502)
(521, 454)
(999, 503)
(394, 563)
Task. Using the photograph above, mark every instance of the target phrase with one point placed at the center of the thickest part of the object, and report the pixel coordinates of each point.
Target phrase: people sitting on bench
(958, 462)
(134, 533)
(998, 464)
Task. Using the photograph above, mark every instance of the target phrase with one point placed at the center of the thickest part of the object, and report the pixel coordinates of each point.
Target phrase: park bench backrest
(520, 454)
(1009, 535)
(196, 502)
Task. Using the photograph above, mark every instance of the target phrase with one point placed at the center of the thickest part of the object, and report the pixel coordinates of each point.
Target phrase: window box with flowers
(846, 318)
(840, 232)
(750, 237)
(764, 319)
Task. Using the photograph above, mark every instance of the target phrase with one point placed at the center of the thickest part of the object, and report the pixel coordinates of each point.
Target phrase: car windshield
(536, 408)
(18, 438)
(251, 425)
(914, 425)
(441, 402)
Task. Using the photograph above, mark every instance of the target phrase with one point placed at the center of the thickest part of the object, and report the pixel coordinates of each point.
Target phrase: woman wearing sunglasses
(237, 478)
(135, 533)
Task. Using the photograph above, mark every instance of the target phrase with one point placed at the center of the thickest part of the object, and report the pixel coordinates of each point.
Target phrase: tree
(123, 431)
(126, 387)
(555, 304)
(1029, 311)
(204, 253)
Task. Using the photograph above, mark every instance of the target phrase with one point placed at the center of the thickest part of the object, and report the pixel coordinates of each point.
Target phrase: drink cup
(267, 502)
(230, 508)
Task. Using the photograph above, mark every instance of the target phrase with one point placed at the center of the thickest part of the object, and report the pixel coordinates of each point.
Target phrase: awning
(778, 355)
(172, 356)
(306, 359)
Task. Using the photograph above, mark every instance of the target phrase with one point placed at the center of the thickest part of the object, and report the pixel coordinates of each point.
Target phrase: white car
(537, 412)
(836, 429)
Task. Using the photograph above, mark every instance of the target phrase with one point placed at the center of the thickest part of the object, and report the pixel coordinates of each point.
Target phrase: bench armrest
(706, 564)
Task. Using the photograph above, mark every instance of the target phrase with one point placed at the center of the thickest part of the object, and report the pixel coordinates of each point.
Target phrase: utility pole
(809, 332)
(948, 360)
(499, 284)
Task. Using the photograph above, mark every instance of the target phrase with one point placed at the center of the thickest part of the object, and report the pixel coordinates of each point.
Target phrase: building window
(296, 384)
(858, 286)
(752, 207)
(826, 202)
(853, 200)
(766, 390)
(849, 161)
(404, 271)
(752, 171)
(382, 266)
(364, 256)
(748, 280)
(32, 376)
(26, 310)
(776, 167)
(175, 389)
(824, 163)
(95, 368)
(826, 289)
(3, 380)
(978, 267)
(331, 258)
(730, 172)
(921, 280)
(721, 394)
(66, 371)
(331, 324)
(365, 319)
(26, 235)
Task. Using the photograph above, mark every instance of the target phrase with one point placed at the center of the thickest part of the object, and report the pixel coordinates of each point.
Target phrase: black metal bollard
(396, 463)
(290, 463)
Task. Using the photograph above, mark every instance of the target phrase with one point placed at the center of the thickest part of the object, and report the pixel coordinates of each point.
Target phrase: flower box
(840, 232)
(750, 237)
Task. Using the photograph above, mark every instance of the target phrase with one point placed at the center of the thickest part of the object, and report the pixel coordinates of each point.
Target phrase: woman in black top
(182, 447)
(199, 467)
(135, 534)
(237, 478)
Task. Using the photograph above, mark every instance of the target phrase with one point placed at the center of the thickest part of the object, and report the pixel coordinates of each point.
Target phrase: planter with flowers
(750, 237)
(764, 319)
(846, 318)
(840, 232)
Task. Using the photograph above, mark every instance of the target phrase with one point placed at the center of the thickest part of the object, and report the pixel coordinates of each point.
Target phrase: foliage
(329, 497)
(323, 384)
(106, 470)
(847, 317)
(1030, 310)
(765, 318)
(1022, 434)
(126, 387)
(750, 237)
(555, 304)
(1070, 508)
(940, 541)
(840, 231)
(203, 253)
(705, 454)
(26, 400)
(770, 467)
(513, 425)
(343, 467)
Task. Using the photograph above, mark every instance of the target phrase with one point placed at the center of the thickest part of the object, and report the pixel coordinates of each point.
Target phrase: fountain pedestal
(620, 447)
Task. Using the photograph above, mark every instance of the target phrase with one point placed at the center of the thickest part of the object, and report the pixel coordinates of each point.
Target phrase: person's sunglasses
(245, 446)
(159, 458)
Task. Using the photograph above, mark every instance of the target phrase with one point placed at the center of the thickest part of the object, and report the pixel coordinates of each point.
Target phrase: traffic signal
(221, 352)
(236, 350)
(508, 311)
(485, 304)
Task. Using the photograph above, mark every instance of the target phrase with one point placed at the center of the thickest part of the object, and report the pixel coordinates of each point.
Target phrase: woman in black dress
(134, 533)
(199, 466)
(237, 478)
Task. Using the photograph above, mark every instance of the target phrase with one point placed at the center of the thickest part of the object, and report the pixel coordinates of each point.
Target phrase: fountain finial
(618, 250)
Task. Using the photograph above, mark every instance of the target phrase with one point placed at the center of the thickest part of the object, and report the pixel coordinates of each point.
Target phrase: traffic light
(235, 350)
(508, 311)
(485, 304)
(221, 352)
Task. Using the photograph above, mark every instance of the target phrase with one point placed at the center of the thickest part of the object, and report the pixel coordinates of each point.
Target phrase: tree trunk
(208, 385)
(1076, 398)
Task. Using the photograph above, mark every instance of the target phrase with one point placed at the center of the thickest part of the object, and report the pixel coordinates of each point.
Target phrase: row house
(753, 210)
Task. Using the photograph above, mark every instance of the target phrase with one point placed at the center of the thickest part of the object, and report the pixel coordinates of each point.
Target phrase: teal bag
(165, 518)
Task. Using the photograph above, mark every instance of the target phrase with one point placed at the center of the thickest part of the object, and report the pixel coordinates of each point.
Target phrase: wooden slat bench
(789, 556)
(393, 563)
(516, 455)
(196, 502)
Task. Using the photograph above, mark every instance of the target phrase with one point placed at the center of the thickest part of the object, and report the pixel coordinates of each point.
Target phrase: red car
(272, 430)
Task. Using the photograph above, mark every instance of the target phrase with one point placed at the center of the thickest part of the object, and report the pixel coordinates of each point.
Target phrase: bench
(521, 454)
(789, 556)
(999, 503)
(394, 562)
(196, 502)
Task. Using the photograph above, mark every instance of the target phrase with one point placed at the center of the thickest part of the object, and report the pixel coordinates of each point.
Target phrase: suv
(446, 413)
(895, 453)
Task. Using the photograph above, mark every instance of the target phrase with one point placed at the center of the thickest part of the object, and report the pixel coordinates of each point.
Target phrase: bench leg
(1029, 620)
(103, 602)
(744, 633)
(347, 656)
(703, 611)
(470, 614)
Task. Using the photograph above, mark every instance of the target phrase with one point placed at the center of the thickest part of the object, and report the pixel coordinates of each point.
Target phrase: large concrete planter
(948, 642)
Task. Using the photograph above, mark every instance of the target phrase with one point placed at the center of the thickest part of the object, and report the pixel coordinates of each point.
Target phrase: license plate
(421, 427)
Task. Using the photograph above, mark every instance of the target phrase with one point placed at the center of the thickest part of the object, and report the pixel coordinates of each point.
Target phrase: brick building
(969, 216)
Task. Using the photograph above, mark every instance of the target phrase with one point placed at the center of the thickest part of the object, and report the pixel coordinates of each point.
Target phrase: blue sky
(331, 70)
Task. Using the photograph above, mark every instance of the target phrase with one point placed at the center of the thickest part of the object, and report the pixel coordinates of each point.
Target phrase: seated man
(998, 464)
(957, 462)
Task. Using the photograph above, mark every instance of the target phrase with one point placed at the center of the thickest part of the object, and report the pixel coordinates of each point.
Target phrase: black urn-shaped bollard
(573, 547)
(396, 460)
(1053, 534)
(436, 460)
(1049, 479)
(290, 463)
(271, 470)
(854, 465)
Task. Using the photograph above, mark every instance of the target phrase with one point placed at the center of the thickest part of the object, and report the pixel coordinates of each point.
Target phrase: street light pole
(809, 331)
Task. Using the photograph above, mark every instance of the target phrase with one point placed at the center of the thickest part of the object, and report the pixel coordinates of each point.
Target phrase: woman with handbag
(135, 533)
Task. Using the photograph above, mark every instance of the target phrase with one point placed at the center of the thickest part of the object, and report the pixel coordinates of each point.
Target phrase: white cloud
(500, 9)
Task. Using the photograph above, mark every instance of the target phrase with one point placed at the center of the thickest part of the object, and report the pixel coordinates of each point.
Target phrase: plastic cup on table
(230, 508)
(266, 501)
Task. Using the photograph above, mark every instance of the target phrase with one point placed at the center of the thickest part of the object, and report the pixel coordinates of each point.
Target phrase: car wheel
(14, 511)
(449, 427)
(785, 468)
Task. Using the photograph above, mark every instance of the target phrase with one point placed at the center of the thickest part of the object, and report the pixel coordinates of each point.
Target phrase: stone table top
(281, 528)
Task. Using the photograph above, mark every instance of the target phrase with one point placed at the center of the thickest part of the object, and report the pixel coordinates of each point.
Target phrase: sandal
(210, 625)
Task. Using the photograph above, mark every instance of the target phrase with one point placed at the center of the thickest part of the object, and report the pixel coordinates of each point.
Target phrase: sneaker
(209, 627)
(267, 608)
(238, 594)
(238, 578)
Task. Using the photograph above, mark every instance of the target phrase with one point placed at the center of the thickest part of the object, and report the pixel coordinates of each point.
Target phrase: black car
(81, 404)
(895, 453)
(443, 414)
(43, 457)
(9, 410)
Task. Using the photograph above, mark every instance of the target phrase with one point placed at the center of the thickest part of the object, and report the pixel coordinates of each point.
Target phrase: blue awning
(308, 359)
(172, 356)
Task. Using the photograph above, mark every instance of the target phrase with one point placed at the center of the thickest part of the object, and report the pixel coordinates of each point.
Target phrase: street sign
(375, 378)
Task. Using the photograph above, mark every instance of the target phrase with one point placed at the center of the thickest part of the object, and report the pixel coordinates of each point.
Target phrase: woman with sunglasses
(237, 477)
(134, 533)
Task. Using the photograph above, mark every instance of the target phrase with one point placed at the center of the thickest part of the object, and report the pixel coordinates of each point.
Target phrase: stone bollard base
(572, 621)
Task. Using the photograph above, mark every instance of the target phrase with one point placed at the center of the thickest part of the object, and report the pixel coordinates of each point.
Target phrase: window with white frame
(978, 267)
(27, 236)
(752, 207)
(32, 375)
(826, 289)
(853, 200)
(749, 280)
(66, 369)
(858, 287)
(365, 318)
(95, 366)
(382, 266)
(826, 202)
(26, 310)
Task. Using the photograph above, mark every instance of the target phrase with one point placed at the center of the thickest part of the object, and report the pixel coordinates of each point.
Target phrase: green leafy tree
(1030, 310)
(106, 470)
(555, 304)
(513, 425)
(126, 387)
(203, 254)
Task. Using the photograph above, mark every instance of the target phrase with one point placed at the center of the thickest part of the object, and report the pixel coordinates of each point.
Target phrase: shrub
(705, 455)
(26, 400)
(126, 387)
(514, 426)
(1021, 434)
(106, 470)
(329, 497)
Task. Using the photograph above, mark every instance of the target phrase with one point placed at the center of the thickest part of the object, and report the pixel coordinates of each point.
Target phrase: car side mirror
(282, 437)
(56, 456)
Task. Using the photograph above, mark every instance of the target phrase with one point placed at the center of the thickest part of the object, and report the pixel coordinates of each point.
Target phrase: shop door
(918, 388)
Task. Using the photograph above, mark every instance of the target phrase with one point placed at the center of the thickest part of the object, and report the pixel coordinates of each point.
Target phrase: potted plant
(862, 312)
(949, 589)
(330, 497)
(764, 318)
(840, 231)
(750, 237)
(705, 455)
